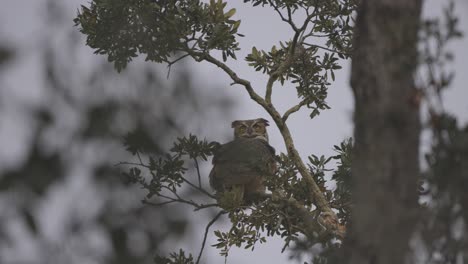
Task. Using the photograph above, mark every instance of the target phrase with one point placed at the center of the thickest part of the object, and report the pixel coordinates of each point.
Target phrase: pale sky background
(19, 23)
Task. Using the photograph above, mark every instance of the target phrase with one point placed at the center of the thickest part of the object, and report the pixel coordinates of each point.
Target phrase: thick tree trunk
(387, 127)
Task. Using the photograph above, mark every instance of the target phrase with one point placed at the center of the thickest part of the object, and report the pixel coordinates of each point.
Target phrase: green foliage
(435, 34)
(164, 29)
(288, 182)
(122, 29)
(175, 258)
(167, 171)
(306, 65)
(445, 183)
(341, 200)
(443, 189)
(194, 148)
(274, 215)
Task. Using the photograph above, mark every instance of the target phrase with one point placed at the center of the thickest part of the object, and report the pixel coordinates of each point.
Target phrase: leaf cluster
(122, 29)
(167, 171)
(434, 56)
(446, 179)
(175, 258)
(307, 65)
(279, 216)
(287, 212)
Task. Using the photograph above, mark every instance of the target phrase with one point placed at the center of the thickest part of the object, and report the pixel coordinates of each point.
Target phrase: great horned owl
(244, 162)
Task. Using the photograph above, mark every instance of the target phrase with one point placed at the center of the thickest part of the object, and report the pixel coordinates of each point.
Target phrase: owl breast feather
(241, 161)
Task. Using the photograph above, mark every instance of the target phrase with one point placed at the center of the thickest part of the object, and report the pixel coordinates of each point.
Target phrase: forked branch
(315, 192)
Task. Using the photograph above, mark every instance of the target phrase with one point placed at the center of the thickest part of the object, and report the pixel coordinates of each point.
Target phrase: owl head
(252, 128)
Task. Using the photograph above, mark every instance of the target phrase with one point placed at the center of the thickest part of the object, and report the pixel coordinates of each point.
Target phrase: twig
(139, 157)
(200, 56)
(206, 234)
(289, 20)
(131, 163)
(180, 200)
(294, 109)
(198, 171)
(170, 63)
(291, 53)
(327, 49)
(158, 204)
(198, 188)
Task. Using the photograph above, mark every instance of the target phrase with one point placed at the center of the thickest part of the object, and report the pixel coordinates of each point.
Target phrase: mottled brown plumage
(246, 161)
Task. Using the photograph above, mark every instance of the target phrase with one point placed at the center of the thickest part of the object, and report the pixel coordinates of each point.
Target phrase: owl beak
(249, 131)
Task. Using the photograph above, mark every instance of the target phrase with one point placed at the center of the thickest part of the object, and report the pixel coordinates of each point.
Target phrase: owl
(244, 162)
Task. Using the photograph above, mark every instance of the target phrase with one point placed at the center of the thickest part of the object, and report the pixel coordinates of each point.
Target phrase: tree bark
(387, 128)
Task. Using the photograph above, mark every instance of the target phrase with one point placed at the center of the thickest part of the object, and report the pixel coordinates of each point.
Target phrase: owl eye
(242, 129)
(257, 128)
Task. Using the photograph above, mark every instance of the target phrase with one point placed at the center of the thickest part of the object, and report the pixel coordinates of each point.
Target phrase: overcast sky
(19, 23)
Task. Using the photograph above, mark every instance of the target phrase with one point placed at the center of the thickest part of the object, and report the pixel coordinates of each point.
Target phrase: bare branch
(139, 157)
(172, 200)
(200, 56)
(288, 20)
(294, 109)
(197, 167)
(200, 189)
(131, 163)
(170, 63)
(206, 234)
(158, 204)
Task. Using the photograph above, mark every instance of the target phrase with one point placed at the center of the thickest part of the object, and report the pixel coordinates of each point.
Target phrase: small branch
(139, 157)
(206, 234)
(158, 204)
(198, 188)
(198, 171)
(291, 53)
(170, 63)
(171, 191)
(288, 20)
(200, 56)
(294, 109)
(179, 200)
(131, 163)
(327, 49)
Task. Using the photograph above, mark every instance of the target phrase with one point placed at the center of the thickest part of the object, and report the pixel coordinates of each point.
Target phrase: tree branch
(294, 109)
(197, 167)
(314, 225)
(289, 20)
(206, 234)
(198, 188)
(173, 200)
(289, 59)
(200, 56)
(315, 192)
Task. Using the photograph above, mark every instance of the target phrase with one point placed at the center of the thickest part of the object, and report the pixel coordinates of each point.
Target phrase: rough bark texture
(387, 127)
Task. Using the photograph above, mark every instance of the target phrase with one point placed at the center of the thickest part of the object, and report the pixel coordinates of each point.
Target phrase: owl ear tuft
(264, 121)
(235, 123)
